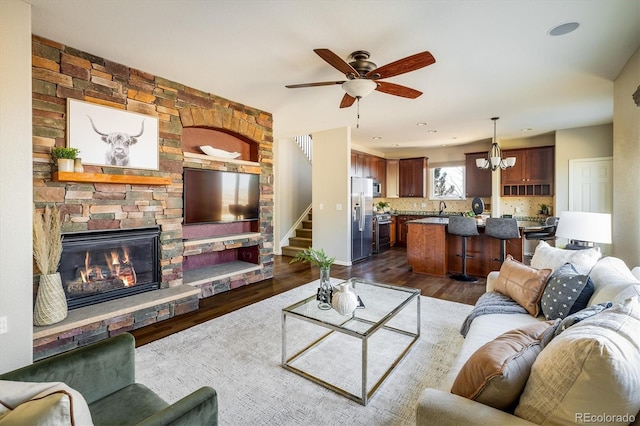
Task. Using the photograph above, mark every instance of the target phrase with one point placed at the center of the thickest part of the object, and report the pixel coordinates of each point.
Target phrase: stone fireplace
(104, 198)
(97, 266)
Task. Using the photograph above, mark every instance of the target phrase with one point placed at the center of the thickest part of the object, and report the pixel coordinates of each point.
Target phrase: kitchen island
(432, 250)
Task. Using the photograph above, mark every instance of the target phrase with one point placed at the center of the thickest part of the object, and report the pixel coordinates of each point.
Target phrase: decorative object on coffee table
(51, 302)
(64, 157)
(343, 299)
(320, 259)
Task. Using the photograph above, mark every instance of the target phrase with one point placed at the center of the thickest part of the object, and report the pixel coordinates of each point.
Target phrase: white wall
(16, 198)
(573, 144)
(626, 160)
(331, 212)
(292, 187)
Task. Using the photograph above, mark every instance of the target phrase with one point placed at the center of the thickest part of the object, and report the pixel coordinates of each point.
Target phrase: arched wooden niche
(194, 137)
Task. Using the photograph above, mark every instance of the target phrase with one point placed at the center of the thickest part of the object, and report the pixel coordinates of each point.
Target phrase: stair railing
(285, 240)
(306, 146)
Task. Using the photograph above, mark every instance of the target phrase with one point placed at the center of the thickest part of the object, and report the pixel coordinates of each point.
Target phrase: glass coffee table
(352, 354)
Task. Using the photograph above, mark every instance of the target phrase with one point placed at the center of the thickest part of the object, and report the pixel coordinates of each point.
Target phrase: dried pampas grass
(47, 240)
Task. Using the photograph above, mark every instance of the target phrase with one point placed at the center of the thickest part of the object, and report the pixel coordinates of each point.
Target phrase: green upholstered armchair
(104, 373)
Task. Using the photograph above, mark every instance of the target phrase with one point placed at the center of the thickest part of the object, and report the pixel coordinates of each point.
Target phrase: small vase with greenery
(51, 301)
(383, 206)
(320, 259)
(64, 157)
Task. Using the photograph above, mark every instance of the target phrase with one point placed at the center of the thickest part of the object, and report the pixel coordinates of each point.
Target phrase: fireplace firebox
(97, 266)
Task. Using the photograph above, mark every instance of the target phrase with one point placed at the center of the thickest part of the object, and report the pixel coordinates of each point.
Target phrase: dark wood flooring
(388, 267)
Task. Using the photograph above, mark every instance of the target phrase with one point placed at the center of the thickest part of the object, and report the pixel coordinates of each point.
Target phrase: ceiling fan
(363, 76)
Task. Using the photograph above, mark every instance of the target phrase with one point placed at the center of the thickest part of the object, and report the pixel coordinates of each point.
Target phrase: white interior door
(591, 185)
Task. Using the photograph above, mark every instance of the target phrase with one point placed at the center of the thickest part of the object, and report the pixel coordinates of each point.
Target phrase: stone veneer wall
(60, 72)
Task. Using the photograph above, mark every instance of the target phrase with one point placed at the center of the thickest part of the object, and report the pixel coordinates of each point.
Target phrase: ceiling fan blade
(397, 90)
(347, 101)
(336, 61)
(410, 63)
(324, 83)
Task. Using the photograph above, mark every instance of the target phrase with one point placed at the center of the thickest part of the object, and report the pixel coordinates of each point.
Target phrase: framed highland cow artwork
(112, 137)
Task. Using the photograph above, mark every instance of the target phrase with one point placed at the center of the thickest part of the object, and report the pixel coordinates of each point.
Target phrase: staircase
(302, 240)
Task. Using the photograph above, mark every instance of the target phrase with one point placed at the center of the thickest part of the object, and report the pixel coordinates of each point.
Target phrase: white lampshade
(510, 161)
(585, 227)
(482, 163)
(360, 87)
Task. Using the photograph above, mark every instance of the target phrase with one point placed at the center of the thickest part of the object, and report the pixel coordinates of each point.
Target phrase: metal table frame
(363, 336)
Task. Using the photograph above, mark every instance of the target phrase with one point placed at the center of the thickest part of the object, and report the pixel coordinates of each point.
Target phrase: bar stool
(464, 227)
(503, 229)
(546, 232)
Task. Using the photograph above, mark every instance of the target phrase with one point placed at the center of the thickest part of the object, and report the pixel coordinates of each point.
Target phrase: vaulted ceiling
(493, 58)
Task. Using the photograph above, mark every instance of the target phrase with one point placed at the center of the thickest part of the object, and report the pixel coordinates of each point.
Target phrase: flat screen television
(214, 196)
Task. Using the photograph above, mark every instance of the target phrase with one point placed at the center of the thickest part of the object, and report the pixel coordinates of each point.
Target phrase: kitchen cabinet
(478, 181)
(413, 177)
(392, 230)
(392, 179)
(402, 229)
(368, 166)
(533, 173)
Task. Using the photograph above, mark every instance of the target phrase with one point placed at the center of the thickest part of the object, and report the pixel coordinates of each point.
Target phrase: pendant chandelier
(494, 156)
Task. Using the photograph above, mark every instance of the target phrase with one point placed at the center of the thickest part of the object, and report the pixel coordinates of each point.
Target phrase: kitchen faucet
(442, 206)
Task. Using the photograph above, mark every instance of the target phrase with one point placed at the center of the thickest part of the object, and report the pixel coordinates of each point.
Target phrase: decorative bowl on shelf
(220, 153)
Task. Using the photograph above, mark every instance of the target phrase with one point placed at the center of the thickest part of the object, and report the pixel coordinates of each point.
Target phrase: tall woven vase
(51, 302)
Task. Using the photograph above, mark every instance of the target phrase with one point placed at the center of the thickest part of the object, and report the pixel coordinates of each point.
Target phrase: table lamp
(584, 229)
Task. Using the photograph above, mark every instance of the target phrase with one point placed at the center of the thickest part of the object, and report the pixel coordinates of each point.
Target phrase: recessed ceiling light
(432, 131)
(421, 124)
(375, 138)
(396, 144)
(526, 129)
(564, 29)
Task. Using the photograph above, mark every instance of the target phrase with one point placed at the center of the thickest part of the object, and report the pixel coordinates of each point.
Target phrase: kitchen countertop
(524, 224)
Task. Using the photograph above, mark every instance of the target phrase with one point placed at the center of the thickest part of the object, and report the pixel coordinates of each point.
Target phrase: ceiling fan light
(359, 88)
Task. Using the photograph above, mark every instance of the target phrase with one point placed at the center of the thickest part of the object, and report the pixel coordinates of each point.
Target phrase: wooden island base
(432, 250)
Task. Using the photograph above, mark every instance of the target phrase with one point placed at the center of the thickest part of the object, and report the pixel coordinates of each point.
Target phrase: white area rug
(239, 355)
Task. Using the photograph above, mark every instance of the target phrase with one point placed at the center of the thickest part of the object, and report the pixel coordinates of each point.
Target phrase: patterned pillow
(497, 372)
(566, 292)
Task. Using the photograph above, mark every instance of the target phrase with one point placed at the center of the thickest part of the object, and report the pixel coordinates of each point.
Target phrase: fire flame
(117, 267)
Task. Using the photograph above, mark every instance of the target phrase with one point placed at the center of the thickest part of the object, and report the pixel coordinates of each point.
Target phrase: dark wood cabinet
(401, 229)
(478, 181)
(413, 177)
(368, 166)
(393, 230)
(533, 173)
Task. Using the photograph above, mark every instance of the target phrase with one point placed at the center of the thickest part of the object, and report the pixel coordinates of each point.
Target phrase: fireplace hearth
(97, 266)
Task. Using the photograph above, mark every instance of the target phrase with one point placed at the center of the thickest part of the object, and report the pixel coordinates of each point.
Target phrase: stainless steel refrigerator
(361, 218)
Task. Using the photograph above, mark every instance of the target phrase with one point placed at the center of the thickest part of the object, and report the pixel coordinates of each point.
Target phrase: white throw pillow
(31, 403)
(592, 368)
(547, 257)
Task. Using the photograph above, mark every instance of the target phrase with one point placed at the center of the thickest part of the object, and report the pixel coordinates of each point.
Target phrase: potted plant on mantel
(64, 157)
(320, 259)
(51, 302)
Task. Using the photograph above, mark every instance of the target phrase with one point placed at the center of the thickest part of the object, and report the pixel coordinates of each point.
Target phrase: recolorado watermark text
(605, 418)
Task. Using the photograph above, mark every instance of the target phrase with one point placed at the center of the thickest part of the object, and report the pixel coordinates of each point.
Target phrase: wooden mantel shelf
(106, 178)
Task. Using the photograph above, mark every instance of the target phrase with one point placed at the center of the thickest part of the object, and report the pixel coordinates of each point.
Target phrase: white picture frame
(112, 137)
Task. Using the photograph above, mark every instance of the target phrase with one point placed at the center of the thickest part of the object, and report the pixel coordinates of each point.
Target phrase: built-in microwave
(377, 188)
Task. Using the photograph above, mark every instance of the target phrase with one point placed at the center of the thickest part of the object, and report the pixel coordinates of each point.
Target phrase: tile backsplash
(517, 206)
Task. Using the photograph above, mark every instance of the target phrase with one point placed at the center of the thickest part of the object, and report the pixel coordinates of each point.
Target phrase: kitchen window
(446, 182)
